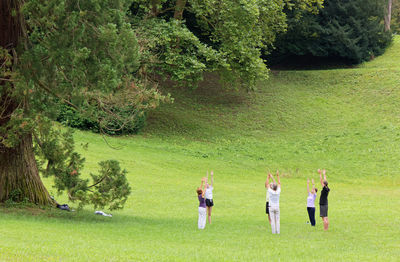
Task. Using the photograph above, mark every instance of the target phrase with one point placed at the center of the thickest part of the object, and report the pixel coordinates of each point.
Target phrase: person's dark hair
(325, 183)
(199, 191)
(274, 187)
(316, 190)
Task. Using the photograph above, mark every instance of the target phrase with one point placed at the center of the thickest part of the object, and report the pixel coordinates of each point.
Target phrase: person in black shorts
(209, 196)
(323, 200)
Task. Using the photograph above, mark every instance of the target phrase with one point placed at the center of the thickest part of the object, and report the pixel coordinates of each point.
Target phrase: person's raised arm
(308, 185)
(272, 177)
(202, 186)
(267, 181)
(277, 177)
(313, 185)
(324, 173)
(212, 179)
(320, 177)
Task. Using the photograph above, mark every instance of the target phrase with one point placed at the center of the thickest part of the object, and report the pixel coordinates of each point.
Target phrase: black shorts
(323, 210)
(209, 202)
(267, 208)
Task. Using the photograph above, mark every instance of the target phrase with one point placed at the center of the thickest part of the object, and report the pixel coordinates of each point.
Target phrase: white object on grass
(102, 213)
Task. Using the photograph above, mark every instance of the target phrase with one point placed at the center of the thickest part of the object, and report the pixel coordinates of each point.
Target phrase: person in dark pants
(312, 195)
(323, 200)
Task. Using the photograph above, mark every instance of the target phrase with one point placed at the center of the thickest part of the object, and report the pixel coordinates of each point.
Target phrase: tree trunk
(179, 7)
(388, 15)
(19, 174)
(154, 11)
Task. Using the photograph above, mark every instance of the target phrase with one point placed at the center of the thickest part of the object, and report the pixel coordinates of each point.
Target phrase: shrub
(68, 116)
(350, 30)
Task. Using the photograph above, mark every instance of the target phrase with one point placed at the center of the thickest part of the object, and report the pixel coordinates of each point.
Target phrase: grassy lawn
(344, 120)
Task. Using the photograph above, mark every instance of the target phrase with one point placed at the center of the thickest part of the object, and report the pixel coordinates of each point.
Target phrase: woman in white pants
(274, 194)
(202, 205)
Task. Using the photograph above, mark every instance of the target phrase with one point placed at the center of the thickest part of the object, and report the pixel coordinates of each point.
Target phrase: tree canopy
(352, 30)
(183, 39)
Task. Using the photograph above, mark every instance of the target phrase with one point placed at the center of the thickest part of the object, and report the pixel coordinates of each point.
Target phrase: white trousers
(202, 218)
(275, 223)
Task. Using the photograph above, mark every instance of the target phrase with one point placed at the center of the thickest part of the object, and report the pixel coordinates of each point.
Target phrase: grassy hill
(344, 120)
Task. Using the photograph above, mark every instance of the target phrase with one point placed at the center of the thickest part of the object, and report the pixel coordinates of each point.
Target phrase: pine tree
(71, 52)
(349, 29)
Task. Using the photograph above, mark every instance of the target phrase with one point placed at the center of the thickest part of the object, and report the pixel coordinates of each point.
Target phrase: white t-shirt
(274, 197)
(208, 194)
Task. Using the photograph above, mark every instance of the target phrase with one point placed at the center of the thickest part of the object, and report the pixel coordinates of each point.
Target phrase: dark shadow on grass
(35, 213)
(309, 62)
(50, 213)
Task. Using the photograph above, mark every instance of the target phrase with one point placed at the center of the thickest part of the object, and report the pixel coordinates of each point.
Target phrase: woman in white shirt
(274, 194)
(209, 196)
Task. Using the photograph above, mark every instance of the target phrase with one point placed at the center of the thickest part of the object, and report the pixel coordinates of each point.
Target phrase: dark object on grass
(63, 207)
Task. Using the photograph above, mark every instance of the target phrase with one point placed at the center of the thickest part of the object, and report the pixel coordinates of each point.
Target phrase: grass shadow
(209, 91)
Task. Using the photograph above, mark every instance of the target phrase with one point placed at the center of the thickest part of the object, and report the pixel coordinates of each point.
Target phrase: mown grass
(344, 120)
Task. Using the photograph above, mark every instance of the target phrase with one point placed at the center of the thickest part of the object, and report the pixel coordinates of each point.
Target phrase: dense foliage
(68, 116)
(183, 39)
(350, 29)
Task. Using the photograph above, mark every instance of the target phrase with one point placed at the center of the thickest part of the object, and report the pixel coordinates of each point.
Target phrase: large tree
(80, 53)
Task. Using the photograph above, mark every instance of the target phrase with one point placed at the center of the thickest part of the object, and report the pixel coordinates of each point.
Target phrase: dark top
(202, 201)
(323, 199)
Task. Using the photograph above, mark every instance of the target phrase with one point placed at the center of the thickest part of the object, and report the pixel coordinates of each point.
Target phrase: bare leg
(209, 209)
(269, 219)
(326, 223)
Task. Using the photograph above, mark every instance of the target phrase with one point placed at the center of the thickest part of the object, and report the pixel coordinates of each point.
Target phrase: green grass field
(344, 120)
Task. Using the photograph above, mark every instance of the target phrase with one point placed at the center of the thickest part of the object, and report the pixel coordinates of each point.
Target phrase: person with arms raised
(202, 204)
(311, 201)
(267, 186)
(323, 199)
(209, 196)
(274, 194)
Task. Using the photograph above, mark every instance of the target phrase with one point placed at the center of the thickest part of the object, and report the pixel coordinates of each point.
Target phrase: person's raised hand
(324, 172)
(319, 171)
(312, 181)
(277, 172)
(212, 173)
(308, 181)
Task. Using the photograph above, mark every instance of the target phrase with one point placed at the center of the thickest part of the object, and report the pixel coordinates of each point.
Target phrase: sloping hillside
(346, 121)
